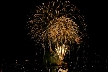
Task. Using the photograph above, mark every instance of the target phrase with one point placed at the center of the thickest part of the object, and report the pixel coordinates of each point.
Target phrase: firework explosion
(58, 23)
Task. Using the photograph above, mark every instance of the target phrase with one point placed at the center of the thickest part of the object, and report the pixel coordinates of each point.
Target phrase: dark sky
(16, 44)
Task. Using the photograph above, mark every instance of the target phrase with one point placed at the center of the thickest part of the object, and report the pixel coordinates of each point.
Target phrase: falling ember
(59, 23)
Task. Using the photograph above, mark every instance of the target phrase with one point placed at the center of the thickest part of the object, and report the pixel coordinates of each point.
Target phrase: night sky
(15, 44)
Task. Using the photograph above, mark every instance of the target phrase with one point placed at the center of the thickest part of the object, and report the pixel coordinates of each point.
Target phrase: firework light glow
(56, 22)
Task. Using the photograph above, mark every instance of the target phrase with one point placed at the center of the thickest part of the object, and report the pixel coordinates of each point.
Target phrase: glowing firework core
(61, 50)
(61, 31)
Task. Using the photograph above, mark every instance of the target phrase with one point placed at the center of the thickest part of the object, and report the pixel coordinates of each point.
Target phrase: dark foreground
(34, 66)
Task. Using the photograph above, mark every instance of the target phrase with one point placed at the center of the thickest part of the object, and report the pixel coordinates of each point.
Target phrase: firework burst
(57, 22)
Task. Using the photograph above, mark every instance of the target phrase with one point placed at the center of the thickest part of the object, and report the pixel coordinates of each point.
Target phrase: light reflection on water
(60, 69)
(57, 69)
